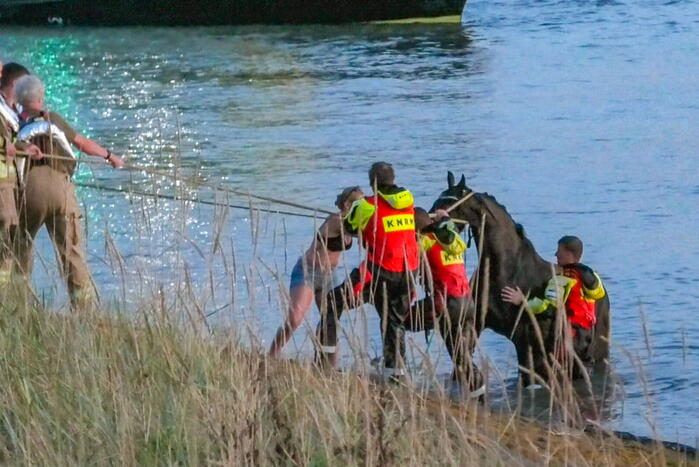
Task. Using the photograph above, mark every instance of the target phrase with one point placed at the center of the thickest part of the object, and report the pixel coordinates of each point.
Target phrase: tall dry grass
(149, 382)
(94, 388)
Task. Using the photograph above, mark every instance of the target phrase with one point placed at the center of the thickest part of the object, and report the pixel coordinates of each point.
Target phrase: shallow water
(577, 116)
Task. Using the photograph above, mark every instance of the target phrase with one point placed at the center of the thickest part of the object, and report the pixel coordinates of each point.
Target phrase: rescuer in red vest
(575, 285)
(385, 224)
(443, 250)
(447, 303)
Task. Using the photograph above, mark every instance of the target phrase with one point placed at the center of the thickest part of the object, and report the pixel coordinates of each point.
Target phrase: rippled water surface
(578, 116)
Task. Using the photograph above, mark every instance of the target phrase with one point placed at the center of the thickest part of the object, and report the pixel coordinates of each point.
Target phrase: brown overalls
(48, 198)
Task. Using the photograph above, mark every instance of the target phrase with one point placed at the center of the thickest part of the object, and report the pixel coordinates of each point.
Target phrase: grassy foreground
(97, 389)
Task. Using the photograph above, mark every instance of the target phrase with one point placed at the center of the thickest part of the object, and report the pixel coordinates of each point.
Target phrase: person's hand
(34, 152)
(512, 295)
(440, 214)
(10, 152)
(115, 161)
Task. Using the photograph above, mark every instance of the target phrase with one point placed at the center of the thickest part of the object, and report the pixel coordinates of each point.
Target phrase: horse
(508, 258)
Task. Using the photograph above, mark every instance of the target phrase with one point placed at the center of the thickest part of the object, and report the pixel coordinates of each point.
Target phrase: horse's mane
(489, 203)
(485, 197)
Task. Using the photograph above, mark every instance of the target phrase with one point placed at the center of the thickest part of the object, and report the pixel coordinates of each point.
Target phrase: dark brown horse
(508, 258)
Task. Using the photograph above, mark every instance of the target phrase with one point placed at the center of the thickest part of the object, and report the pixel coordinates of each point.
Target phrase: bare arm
(332, 227)
(91, 148)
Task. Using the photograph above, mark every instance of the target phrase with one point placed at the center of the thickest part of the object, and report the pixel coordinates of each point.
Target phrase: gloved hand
(445, 231)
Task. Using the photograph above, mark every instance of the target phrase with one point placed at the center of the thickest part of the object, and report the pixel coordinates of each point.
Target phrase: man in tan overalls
(9, 125)
(49, 195)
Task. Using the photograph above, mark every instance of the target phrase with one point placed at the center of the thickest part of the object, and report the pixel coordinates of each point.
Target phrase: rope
(191, 181)
(457, 204)
(187, 198)
(462, 200)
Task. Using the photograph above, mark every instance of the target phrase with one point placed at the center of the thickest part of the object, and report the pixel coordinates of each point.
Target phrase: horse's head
(470, 210)
(477, 209)
(454, 193)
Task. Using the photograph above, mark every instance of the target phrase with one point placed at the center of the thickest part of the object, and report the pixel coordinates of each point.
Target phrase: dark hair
(381, 173)
(11, 72)
(345, 194)
(573, 244)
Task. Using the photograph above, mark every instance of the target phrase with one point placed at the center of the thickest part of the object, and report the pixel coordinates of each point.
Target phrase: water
(578, 116)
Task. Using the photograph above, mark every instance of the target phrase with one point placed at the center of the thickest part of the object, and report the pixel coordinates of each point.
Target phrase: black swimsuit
(335, 243)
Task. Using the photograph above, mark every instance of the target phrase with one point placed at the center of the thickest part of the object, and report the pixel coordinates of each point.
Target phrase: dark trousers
(390, 294)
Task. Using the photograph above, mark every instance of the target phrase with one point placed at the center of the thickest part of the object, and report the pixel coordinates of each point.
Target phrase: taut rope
(192, 182)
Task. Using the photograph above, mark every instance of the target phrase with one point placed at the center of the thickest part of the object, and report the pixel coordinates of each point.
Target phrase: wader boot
(49, 200)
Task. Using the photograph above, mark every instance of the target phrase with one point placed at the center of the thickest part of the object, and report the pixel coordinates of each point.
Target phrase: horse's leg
(458, 328)
(535, 345)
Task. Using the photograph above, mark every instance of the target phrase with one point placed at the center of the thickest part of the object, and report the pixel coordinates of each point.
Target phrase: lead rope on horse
(461, 201)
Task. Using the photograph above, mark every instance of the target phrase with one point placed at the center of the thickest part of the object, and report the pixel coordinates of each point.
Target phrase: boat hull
(210, 12)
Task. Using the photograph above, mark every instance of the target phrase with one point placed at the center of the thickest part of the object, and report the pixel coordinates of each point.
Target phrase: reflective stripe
(398, 222)
(477, 393)
(595, 294)
(8, 115)
(7, 171)
(328, 348)
(44, 128)
(388, 372)
(5, 277)
(449, 259)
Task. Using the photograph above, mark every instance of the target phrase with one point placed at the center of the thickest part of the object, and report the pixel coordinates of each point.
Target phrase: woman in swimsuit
(312, 275)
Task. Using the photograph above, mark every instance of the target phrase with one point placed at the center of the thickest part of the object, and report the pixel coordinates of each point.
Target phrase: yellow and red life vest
(389, 234)
(568, 289)
(447, 267)
(580, 307)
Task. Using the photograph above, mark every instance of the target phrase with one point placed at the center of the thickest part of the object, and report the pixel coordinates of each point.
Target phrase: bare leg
(301, 298)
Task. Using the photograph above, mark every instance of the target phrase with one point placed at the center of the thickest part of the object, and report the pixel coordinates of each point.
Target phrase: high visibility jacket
(447, 265)
(7, 169)
(386, 223)
(8, 130)
(568, 289)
